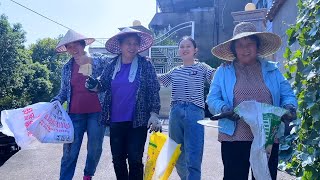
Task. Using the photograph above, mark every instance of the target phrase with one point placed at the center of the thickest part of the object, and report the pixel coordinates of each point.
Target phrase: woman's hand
(228, 113)
(154, 123)
(290, 115)
(92, 84)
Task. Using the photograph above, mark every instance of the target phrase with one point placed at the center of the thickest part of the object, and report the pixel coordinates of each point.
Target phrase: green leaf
(315, 111)
(287, 53)
(292, 68)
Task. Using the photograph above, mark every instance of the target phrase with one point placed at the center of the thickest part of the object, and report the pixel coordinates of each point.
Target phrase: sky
(92, 18)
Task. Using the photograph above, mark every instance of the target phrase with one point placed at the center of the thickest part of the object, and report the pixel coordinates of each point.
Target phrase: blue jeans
(83, 123)
(184, 129)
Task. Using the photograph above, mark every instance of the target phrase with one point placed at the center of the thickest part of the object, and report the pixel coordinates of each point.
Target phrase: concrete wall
(212, 25)
(203, 28)
(284, 18)
(224, 18)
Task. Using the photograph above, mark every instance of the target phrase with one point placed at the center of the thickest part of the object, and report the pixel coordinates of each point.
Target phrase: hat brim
(62, 47)
(113, 44)
(269, 44)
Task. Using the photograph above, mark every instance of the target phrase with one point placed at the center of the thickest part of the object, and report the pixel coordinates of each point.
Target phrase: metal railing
(173, 30)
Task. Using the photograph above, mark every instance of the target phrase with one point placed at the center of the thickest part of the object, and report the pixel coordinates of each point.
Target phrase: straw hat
(269, 42)
(70, 37)
(113, 44)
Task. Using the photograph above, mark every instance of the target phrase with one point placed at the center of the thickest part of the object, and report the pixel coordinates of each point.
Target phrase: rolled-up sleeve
(165, 78)
(287, 95)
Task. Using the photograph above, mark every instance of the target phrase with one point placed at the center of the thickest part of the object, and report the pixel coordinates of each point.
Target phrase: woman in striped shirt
(187, 107)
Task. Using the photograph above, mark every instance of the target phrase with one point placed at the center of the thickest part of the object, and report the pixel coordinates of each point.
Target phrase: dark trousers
(127, 143)
(235, 158)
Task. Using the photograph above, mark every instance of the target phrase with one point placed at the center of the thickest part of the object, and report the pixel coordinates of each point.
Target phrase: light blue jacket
(224, 80)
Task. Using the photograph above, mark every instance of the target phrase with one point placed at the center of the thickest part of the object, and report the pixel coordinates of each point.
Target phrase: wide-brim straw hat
(113, 44)
(269, 42)
(70, 37)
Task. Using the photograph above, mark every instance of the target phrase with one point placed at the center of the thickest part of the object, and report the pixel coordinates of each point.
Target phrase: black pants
(235, 158)
(127, 143)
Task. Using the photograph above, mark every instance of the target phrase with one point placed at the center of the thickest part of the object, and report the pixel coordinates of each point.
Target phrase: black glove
(290, 115)
(91, 83)
(226, 113)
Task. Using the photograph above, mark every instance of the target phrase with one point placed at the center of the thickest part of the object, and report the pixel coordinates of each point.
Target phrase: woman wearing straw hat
(83, 106)
(248, 77)
(132, 101)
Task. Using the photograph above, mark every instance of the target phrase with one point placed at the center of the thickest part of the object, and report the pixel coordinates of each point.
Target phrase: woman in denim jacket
(248, 77)
(132, 101)
(83, 106)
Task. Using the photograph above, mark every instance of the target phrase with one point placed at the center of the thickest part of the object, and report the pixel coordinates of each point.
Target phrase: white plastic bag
(37, 121)
(264, 121)
(53, 125)
(15, 122)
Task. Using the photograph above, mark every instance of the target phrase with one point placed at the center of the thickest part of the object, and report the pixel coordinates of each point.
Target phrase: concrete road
(43, 162)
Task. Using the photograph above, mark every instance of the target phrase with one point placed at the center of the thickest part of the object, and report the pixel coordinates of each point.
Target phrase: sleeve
(287, 95)
(165, 78)
(99, 64)
(62, 95)
(214, 99)
(103, 78)
(209, 72)
(154, 88)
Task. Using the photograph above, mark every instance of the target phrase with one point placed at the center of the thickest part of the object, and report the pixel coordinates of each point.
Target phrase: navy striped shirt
(188, 82)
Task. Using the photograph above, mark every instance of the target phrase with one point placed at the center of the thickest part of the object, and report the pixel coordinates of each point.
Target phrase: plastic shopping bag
(264, 121)
(163, 154)
(53, 125)
(167, 159)
(156, 143)
(16, 121)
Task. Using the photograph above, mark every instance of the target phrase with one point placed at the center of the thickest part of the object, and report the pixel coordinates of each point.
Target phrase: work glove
(290, 115)
(226, 113)
(92, 84)
(154, 123)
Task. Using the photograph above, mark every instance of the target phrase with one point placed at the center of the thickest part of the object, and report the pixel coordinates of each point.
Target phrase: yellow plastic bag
(167, 159)
(156, 142)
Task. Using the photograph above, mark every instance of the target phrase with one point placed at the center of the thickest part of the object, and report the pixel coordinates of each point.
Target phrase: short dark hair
(123, 37)
(252, 37)
(190, 39)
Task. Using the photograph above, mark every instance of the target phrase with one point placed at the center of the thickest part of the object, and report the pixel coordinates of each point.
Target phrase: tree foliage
(11, 49)
(28, 75)
(304, 68)
(43, 52)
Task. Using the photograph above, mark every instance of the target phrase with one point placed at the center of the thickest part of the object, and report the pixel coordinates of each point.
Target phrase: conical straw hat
(113, 45)
(269, 42)
(70, 37)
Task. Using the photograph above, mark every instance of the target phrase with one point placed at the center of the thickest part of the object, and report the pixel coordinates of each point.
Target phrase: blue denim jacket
(98, 64)
(224, 80)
